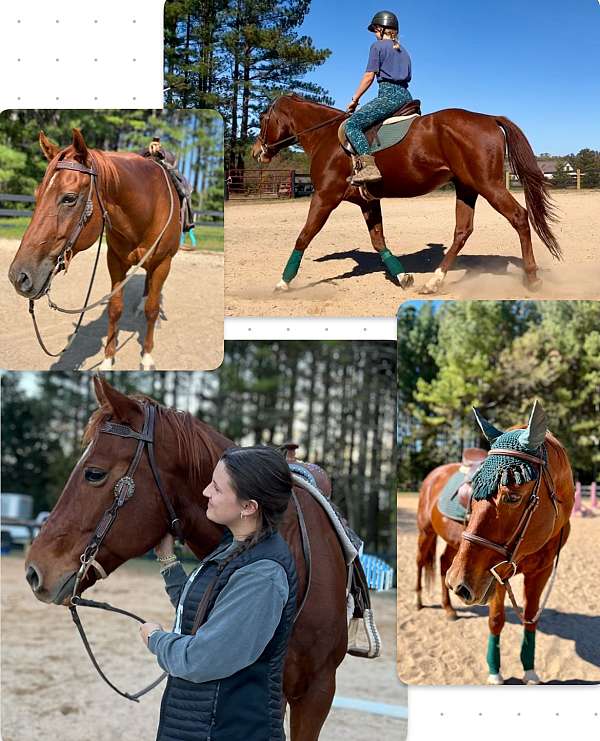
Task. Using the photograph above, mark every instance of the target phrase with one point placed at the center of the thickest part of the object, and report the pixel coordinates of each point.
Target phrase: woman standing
(235, 612)
(390, 63)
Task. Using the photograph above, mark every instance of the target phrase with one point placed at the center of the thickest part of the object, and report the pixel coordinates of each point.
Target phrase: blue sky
(535, 61)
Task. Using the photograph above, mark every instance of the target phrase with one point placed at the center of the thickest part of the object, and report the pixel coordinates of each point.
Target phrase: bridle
(124, 489)
(510, 549)
(64, 258)
(289, 140)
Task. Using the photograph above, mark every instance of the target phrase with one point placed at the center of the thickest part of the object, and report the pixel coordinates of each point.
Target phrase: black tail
(539, 204)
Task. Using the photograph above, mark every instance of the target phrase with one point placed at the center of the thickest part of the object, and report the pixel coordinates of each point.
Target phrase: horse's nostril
(24, 281)
(33, 578)
(463, 592)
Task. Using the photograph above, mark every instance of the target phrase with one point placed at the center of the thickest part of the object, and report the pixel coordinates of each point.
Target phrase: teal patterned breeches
(389, 99)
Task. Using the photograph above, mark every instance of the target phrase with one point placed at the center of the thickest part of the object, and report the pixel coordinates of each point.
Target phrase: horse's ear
(50, 149)
(80, 153)
(488, 429)
(99, 390)
(124, 408)
(535, 434)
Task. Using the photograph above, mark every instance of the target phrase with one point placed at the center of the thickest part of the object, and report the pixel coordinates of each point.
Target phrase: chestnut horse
(519, 521)
(137, 197)
(186, 452)
(451, 145)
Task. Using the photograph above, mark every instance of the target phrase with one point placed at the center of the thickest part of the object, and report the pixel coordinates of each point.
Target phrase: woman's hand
(166, 547)
(146, 629)
(351, 107)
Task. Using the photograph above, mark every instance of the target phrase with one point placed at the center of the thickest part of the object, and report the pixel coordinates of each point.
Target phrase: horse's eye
(69, 199)
(95, 476)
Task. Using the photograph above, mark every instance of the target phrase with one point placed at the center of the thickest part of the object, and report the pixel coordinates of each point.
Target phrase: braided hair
(390, 33)
(260, 473)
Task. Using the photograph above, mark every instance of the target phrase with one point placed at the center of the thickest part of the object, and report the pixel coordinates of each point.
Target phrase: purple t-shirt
(389, 63)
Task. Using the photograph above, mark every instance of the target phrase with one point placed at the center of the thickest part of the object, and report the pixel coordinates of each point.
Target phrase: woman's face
(224, 507)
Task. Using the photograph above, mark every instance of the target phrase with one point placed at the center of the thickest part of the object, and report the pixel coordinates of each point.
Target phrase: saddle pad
(350, 551)
(392, 131)
(448, 503)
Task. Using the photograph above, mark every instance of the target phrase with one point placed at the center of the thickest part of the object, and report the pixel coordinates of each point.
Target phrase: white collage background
(74, 54)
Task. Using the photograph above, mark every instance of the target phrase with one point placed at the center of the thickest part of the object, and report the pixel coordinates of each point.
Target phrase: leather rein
(510, 550)
(64, 258)
(124, 489)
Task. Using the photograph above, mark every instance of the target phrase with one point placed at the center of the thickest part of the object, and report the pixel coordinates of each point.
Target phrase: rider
(390, 62)
(235, 613)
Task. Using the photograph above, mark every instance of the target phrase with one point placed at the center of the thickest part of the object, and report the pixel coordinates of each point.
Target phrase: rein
(289, 140)
(124, 489)
(510, 554)
(66, 254)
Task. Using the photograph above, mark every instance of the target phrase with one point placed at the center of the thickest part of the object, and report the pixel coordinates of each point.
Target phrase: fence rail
(257, 184)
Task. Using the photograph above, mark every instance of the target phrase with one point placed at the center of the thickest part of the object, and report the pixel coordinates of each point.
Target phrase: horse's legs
(371, 211)
(425, 559)
(309, 712)
(117, 272)
(496, 620)
(445, 562)
(465, 211)
(318, 213)
(155, 281)
(533, 587)
(503, 201)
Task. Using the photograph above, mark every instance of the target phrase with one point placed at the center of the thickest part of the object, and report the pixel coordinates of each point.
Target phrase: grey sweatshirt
(238, 628)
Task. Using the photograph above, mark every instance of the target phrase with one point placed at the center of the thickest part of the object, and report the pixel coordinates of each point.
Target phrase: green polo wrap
(528, 650)
(292, 265)
(493, 654)
(391, 262)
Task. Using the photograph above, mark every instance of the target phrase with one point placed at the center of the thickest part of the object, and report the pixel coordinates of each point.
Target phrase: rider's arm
(239, 627)
(175, 579)
(364, 85)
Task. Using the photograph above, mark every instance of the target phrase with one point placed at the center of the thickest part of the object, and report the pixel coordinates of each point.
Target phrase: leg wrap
(391, 262)
(493, 654)
(528, 649)
(292, 265)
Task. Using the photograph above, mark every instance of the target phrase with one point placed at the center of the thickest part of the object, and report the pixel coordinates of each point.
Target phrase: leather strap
(517, 454)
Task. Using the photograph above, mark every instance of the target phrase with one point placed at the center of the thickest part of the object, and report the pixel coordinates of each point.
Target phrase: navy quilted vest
(248, 706)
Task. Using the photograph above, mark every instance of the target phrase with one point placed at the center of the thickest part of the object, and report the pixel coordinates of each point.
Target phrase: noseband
(124, 489)
(510, 550)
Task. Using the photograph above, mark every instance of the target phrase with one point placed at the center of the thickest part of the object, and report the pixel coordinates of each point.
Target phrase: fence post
(578, 179)
(508, 180)
(593, 496)
(292, 183)
(577, 508)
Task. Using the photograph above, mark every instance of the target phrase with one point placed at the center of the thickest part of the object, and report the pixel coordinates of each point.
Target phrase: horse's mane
(302, 99)
(199, 445)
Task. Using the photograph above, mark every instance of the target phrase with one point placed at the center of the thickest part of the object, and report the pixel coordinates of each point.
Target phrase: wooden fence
(267, 184)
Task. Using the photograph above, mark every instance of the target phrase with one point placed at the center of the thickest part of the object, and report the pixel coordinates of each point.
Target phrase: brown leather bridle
(510, 550)
(124, 489)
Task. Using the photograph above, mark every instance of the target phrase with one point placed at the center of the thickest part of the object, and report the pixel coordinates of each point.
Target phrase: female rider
(234, 616)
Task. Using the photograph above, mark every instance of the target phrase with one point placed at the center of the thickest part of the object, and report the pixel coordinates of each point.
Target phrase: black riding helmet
(385, 19)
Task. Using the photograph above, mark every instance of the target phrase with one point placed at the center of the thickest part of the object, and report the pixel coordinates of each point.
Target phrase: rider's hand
(352, 106)
(165, 547)
(146, 629)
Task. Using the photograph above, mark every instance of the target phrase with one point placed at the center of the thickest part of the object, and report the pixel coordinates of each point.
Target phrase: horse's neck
(307, 115)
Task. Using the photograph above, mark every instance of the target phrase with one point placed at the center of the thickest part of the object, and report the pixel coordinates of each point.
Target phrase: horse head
(277, 130)
(63, 200)
(93, 486)
(514, 511)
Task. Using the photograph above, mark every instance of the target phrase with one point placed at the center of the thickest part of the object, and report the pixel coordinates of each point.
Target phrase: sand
(50, 689)
(190, 335)
(433, 650)
(341, 275)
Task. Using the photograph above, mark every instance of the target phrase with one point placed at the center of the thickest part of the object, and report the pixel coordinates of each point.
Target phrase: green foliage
(499, 356)
(237, 56)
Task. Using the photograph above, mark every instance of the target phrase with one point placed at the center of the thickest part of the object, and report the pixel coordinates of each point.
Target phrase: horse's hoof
(451, 616)
(282, 286)
(530, 677)
(418, 602)
(533, 284)
(147, 362)
(495, 679)
(407, 280)
(107, 364)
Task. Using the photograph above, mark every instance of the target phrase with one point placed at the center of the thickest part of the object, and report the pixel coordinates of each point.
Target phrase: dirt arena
(51, 690)
(341, 275)
(433, 650)
(190, 335)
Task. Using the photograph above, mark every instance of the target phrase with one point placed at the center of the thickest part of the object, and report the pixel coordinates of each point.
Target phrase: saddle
(168, 160)
(359, 612)
(388, 132)
(454, 501)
